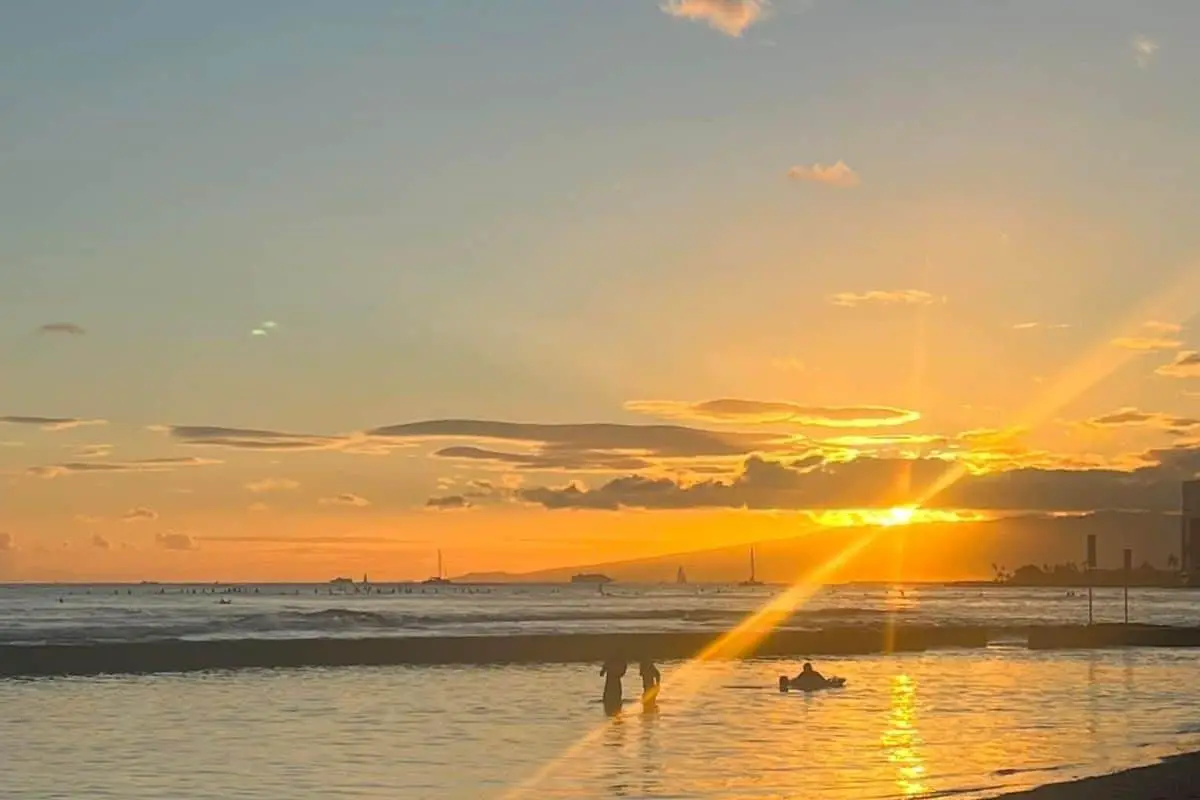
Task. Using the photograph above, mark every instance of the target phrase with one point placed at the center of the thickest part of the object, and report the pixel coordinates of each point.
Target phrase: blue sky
(539, 210)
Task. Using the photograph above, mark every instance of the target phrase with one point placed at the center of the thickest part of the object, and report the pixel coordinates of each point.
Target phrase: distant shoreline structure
(591, 578)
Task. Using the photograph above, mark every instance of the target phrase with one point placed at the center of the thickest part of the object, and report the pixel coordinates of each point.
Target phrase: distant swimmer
(651, 681)
(613, 670)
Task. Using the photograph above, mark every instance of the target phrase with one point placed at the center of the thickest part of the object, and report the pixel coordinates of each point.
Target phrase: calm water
(34, 614)
(975, 723)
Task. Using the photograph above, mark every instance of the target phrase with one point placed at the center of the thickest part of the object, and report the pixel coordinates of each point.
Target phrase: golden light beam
(686, 681)
(1175, 303)
(1100, 362)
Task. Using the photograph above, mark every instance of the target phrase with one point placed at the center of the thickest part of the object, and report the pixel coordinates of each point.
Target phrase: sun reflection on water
(901, 741)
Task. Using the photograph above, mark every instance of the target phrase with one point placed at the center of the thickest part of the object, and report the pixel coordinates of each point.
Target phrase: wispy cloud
(174, 541)
(448, 503)
(1146, 343)
(1045, 326)
(838, 174)
(143, 465)
(94, 451)
(730, 17)
(345, 499)
(100, 543)
(272, 485)
(1162, 327)
(67, 328)
(51, 423)
(139, 514)
(265, 329)
(786, 364)
(915, 297)
(1185, 365)
(765, 412)
(7, 542)
(1133, 417)
(1145, 50)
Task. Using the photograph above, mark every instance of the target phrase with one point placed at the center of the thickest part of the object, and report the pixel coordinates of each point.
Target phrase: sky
(293, 289)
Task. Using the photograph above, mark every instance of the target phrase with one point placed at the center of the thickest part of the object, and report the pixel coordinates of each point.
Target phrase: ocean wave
(339, 621)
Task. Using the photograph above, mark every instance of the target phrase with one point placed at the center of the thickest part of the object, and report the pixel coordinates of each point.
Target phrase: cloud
(345, 499)
(264, 329)
(252, 439)
(174, 541)
(1132, 417)
(1162, 327)
(878, 482)
(766, 412)
(7, 542)
(143, 465)
(838, 174)
(94, 451)
(1045, 326)
(731, 17)
(139, 514)
(1145, 50)
(100, 543)
(67, 328)
(51, 423)
(1146, 343)
(447, 503)
(914, 297)
(272, 485)
(585, 446)
(1185, 365)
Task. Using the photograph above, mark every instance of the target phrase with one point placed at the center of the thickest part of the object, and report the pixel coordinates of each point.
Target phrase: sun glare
(900, 515)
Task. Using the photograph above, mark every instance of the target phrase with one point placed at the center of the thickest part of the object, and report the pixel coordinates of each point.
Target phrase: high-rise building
(1189, 534)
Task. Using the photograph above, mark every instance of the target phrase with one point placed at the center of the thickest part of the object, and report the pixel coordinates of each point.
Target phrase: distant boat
(440, 579)
(590, 577)
(681, 576)
(342, 582)
(752, 580)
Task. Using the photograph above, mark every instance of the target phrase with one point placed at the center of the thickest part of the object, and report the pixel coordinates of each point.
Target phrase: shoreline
(177, 655)
(184, 655)
(1172, 778)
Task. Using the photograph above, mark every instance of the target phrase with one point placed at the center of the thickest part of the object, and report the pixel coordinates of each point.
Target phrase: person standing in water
(651, 680)
(613, 670)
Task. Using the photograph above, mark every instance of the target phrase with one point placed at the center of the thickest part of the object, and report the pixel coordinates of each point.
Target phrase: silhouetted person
(651, 680)
(808, 679)
(613, 670)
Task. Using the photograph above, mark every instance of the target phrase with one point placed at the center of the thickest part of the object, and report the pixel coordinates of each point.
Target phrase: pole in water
(1091, 565)
(1128, 569)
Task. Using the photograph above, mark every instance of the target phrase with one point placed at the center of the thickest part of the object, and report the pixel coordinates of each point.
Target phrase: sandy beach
(1172, 779)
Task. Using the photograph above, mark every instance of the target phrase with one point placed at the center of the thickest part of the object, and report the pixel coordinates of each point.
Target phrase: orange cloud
(345, 499)
(1146, 343)
(1029, 326)
(731, 17)
(272, 485)
(1185, 365)
(51, 423)
(838, 174)
(763, 412)
(139, 514)
(887, 298)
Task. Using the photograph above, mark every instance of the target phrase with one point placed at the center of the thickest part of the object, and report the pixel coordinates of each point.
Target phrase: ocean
(962, 723)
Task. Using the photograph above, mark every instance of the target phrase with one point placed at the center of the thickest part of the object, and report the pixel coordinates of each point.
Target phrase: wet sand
(1175, 778)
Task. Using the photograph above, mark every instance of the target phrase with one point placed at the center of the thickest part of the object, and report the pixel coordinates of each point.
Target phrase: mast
(751, 563)
(439, 574)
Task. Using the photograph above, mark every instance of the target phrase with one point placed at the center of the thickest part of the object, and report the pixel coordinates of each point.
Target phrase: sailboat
(751, 581)
(440, 578)
(681, 576)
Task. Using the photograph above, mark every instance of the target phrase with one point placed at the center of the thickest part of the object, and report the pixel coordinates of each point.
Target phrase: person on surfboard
(808, 678)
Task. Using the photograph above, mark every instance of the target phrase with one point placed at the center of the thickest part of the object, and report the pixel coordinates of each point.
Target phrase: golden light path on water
(1173, 304)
